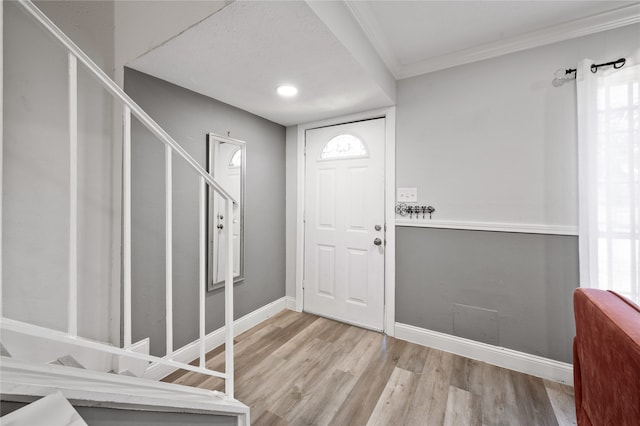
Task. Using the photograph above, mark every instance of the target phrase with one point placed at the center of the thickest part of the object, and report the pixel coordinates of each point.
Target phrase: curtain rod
(564, 75)
(617, 64)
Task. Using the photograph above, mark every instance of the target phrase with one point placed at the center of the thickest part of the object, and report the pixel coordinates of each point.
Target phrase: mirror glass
(226, 163)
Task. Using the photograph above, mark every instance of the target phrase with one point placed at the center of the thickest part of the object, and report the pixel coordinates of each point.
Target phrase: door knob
(377, 241)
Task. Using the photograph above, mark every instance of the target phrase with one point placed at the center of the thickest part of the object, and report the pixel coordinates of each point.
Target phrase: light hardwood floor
(300, 369)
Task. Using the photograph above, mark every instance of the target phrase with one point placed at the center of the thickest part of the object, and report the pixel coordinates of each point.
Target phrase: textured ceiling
(243, 52)
(240, 54)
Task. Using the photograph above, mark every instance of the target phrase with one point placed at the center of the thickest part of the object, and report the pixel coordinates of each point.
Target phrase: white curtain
(609, 177)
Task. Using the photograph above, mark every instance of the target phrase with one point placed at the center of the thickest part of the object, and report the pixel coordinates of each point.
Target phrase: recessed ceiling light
(287, 91)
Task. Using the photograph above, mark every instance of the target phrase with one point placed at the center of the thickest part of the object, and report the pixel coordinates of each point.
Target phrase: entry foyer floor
(301, 369)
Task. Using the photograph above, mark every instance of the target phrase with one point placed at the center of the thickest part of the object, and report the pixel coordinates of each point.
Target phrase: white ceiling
(241, 53)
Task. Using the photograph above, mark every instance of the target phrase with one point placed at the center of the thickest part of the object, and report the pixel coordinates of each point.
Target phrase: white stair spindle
(203, 268)
(169, 247)
(70, 336)
(1, 139)
(126, 224)
(228, 299)
(72, 299)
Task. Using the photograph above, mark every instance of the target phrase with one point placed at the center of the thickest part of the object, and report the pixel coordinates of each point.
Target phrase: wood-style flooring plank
(335, 348)
(498, 397)
(364, 396)
(534, 407)
(428, 406)
(414, 358)
(300, 369)
(319, 403)
(463, 408)
(562, 401)
(394, 402)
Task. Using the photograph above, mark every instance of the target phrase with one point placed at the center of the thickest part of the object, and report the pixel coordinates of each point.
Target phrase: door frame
(389, 114)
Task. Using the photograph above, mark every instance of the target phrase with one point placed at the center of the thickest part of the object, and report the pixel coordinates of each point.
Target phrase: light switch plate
(407, 195)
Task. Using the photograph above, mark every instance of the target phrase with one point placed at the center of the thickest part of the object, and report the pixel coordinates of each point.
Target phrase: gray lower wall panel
(527, 278)
(98, 416)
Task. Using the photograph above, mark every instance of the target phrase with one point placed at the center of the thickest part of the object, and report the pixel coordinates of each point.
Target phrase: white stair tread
(86, 387)
(4, 351)
(67, 361)
(52, 410)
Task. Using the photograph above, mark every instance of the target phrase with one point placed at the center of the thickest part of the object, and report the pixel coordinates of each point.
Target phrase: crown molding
(363, 14)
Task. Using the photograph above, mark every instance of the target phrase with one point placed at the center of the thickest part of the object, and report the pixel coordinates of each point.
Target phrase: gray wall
(291, 207)
(36, 169)
(96, 416)
(527, 278)
(188, 117)
(494, 141)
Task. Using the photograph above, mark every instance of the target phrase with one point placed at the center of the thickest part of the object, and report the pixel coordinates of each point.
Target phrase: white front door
(344, 223)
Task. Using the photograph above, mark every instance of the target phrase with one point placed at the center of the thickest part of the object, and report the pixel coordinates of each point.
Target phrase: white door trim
(389, 207)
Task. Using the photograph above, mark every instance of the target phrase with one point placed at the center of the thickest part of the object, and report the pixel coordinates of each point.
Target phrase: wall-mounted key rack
(414, 212)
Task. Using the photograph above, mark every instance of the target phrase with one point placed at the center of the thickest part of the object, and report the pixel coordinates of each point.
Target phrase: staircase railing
(75, 55)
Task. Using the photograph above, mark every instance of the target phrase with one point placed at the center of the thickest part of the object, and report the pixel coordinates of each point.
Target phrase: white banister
(117, 92)
(202, 232)
(76, 55)
(72, 297)
(59, 336)
(168, 182)
(126, 224)
(228, 301)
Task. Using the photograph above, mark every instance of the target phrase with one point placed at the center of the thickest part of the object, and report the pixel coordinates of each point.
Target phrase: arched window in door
(344, 146)
(236, 159)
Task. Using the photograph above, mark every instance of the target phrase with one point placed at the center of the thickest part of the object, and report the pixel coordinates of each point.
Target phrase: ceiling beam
(342, 23)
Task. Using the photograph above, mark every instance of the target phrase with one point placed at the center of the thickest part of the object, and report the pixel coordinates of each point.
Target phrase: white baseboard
(214, 339)
(495, 355)
(290, 303)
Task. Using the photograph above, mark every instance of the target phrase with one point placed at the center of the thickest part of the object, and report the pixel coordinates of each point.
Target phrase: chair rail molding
(523, 228)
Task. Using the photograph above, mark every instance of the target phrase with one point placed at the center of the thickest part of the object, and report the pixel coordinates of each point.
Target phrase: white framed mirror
(226, 162)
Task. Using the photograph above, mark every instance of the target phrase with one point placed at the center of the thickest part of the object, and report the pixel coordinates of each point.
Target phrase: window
(236, 159)
(343, 146)
(609, 145)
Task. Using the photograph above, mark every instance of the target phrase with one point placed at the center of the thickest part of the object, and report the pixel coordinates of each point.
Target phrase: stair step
(53, 409)
(68, 361)
(4, 351)
(123, 373)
